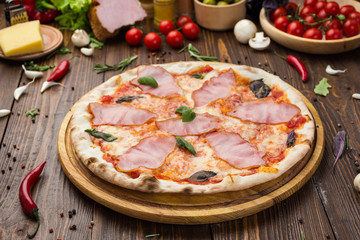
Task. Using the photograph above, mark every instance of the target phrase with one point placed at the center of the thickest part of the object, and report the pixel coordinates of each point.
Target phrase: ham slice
(231, 148)
(150, 152)
(215, 88)
(108, 16)
(118, 114)
(203, 123)
(265, 112)
(166, 82)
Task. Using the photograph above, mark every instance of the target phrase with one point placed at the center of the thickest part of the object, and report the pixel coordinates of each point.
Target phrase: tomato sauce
(295, 122)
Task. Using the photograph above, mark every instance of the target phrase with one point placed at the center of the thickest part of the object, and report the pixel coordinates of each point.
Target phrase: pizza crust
(92, 157)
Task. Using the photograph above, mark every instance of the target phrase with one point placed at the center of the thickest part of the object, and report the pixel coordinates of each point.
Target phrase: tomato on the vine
(333, 33)
(313, 33)
(351, 27)
(152, 41)
(133, 36)
(322, 14)
(345, 10)
(332, 8)
(354, 15)
(309, 19)
(282, 23)
(307, 10)
(280, 11)
(175, 39)
(182, 21)
(319, 5)
(166, 26)
(310, 2)
(295, 28)
(291, 7)
(333, 23)
(190, 30)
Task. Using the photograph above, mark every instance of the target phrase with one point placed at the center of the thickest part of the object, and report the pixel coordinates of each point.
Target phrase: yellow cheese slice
(22, 38)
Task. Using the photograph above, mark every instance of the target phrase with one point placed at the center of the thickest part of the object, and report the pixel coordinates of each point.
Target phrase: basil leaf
(259, 88)
(185, 144)
(127, 98)
(201, 176)
(198, 76)
(291, 138)
(148, 81)
(187, 113)
(106, 136)
(339, 145)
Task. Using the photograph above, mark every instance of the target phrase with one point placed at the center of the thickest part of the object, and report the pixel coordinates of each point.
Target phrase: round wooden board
(183, 208)
(52, 39)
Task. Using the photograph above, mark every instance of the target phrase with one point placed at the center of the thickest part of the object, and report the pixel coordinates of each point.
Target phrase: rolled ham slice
(215, 88)
(118, 115)
(203, 123)
(231, 148)
(166, 82)
(265, 112)
(150, 152)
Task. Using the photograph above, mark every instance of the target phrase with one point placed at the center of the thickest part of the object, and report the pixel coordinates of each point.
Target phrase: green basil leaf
(185, 145)
(198, 76)
(106, 136)
(187, 113)
(148, 81)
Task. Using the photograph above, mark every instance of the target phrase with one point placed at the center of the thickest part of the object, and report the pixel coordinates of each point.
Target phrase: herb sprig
(59, 51)
(120, 66)
(35, 67)
(94, 43)
(195, 53)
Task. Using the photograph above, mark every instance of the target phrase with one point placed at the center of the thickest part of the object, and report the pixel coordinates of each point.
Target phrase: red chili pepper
(60, 71)
(41, 10)
(298, 64)
(26, 201)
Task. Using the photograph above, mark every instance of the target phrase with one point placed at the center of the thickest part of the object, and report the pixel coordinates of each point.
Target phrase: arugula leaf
(187, 113)
(322, 87)
(148, 81)
(106, 136)
(185, 145)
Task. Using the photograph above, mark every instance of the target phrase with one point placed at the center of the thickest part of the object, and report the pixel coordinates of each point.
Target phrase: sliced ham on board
(108, 16)
(167, 85)
(215, 88)
(150, 152)
(203, 123)
(231, 148)
(118, 114)
(265, 112)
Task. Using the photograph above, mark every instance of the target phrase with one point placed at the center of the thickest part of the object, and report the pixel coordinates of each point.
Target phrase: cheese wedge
(22, 38)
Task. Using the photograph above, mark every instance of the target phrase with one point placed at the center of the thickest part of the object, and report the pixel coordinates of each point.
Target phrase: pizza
(191, 127)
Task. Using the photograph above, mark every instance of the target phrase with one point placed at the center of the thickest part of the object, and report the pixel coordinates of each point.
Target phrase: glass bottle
(163, 10)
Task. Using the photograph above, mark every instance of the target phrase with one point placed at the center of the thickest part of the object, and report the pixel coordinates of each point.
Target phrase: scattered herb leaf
(201, 176)
(303, 236)
(259, 88)
(120, 66)
(198, 76)
(32, 112)
(194, 52)
(322, 87)
(148, 81)
(59, 51)
(187, 113)
(152, 235)
(127, 98)
(291, 138)
(35, 67)
(106, 136)
(339, 145)
(94, 43)
(185, 144)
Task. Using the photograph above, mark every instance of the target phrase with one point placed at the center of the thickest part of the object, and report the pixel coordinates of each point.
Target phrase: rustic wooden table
(327, 207)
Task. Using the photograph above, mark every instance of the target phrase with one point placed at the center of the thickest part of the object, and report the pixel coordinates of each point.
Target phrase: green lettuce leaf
(322, 87)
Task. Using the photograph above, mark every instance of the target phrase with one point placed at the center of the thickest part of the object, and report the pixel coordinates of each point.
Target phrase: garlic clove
(357, 182)
(331, 71)
(4, 112)
(87, 51)
(47, 85)
(259, 42)
(356, 95)
(20, 90)
(80, 38)
(32, 74)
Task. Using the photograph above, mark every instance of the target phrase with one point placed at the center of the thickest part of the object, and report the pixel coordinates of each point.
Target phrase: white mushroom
(357, 182)
(87, 51)
(80, 38)
(331, 71)
(259, 42)
(244, 30)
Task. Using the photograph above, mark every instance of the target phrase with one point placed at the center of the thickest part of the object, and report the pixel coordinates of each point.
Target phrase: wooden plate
(52, 39)
(183, 208)
(310, 45)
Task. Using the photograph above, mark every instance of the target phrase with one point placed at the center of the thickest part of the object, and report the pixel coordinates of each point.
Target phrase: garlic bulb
(80, 38)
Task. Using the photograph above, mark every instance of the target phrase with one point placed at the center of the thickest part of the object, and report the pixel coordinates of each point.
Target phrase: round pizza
(191, 127)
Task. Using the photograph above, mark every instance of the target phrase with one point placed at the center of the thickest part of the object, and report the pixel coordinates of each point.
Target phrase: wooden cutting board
(183, 208)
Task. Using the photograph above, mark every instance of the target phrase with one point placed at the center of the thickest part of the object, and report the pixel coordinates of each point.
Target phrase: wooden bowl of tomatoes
(312, 26)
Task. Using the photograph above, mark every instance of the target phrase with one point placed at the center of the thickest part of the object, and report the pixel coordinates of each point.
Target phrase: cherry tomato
(182, 20)
(345, 10)
(310, 2)
(133, 36)
(351, 27)
(354, 15)
(333, 23)
(333, 33)
(313, 33)
(282, 23)
(152, 41)
(175, 39)
(332, 8)
(295, 28)
(309, 19)
(319, 5)
(322, 14)
(166, 26)
(307, 10)
(191, 30)
(280, 11)
(291, 7)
